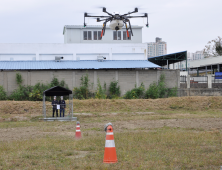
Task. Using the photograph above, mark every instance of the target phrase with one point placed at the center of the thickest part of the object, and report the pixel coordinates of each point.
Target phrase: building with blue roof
(109, 59)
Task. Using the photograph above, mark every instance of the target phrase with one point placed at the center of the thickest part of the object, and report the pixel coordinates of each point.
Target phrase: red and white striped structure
(110, 150)
(78, 132)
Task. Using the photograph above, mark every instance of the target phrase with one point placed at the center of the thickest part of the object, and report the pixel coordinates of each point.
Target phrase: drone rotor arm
(136, 16)
(99, 20)
(108, 13)
(98, 16)
(135, 11)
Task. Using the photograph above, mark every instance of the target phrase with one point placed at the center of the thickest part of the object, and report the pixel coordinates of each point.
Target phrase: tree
(213, 48)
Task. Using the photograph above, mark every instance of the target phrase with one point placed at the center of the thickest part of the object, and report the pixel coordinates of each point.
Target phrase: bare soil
(22, 133)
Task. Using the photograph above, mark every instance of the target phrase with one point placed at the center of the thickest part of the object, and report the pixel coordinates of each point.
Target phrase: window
(95, 35)
(116, 35)
(99, 35)
(125, 35)
(84, 35)
(87, 35)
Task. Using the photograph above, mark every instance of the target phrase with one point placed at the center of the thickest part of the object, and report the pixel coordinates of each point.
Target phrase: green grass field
(172, 138)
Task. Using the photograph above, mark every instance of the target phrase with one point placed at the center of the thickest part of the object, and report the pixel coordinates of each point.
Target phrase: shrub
(83, 91)
(21, 93)
(55, 82)
(37, 91)
(3, 95)
(136, 93)
(172, 92)
(152, 92)
(160, 90)
(33, 92)
(114, 89)
(101, 92)
(162, 86)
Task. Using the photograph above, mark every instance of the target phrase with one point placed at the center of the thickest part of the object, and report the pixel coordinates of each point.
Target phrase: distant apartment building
(157, 48)
(198, 55)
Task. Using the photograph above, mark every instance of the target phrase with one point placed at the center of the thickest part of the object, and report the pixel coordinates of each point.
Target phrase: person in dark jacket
(54, 107)
(62, 104)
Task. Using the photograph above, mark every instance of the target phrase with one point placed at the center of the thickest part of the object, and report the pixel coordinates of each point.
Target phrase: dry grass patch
(28, 110)
(163, 148)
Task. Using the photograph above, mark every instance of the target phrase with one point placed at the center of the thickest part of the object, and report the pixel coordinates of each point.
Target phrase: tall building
(198, 55)
(157, 48)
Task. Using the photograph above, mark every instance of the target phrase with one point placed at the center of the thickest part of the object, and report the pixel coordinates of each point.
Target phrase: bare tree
(213, 48)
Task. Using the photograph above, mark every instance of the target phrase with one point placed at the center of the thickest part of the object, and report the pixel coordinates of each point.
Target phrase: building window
(116, 35)
(97, 35)
(125, 35)
(87, 35)
(84, 35)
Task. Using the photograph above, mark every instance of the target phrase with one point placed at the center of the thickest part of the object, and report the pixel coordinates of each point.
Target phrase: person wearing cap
(62, 104)
(54, 107)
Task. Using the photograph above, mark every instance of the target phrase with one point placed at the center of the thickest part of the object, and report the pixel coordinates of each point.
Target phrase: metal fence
(202, 79)
(216, 79)
(183, 79)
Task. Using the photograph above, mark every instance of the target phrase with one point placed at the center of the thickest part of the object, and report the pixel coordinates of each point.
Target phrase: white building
(157, 48)
(82, 44)
(92, 34)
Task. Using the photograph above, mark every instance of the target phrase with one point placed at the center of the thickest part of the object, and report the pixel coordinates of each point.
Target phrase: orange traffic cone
(78, 132)
(110, 150)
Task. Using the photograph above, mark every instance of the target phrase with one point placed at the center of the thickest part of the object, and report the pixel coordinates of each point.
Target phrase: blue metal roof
(169, 58)
(81, 64)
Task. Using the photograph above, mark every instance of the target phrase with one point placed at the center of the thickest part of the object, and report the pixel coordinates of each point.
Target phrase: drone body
(116, 24)
(117, 21)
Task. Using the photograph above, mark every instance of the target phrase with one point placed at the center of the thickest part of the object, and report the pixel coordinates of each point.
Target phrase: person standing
(62, 104)
(54, 107)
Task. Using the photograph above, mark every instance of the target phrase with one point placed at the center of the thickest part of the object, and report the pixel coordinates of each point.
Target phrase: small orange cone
(78, 132)
(110, 150)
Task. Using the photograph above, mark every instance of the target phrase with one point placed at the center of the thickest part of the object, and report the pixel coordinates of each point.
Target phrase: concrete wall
(199, 92)
(127, 78)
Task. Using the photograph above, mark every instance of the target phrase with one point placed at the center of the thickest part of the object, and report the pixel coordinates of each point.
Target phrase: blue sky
(183, 24)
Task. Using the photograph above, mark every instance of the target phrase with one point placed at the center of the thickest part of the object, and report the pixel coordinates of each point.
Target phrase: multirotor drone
(117, 21)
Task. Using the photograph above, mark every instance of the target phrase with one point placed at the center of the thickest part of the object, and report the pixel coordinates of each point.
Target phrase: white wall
(86, 51)
(74, 34)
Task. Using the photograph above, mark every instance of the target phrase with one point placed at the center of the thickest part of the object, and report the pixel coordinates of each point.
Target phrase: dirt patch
(82, 114)
(203, 123)
(22, 133)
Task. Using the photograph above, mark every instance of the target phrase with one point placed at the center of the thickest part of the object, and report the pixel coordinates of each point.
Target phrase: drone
(116, 20)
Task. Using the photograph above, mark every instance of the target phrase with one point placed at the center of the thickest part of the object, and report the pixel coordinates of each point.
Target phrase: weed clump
(3, 94)
(114, 90)
(136, 93)
(159, 90)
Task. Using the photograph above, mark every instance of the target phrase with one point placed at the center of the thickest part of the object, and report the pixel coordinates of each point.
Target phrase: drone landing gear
(127, 32)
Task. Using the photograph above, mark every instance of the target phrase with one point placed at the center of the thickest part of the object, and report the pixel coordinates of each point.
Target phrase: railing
(216, 79)
(183, 79)
(202, 79)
